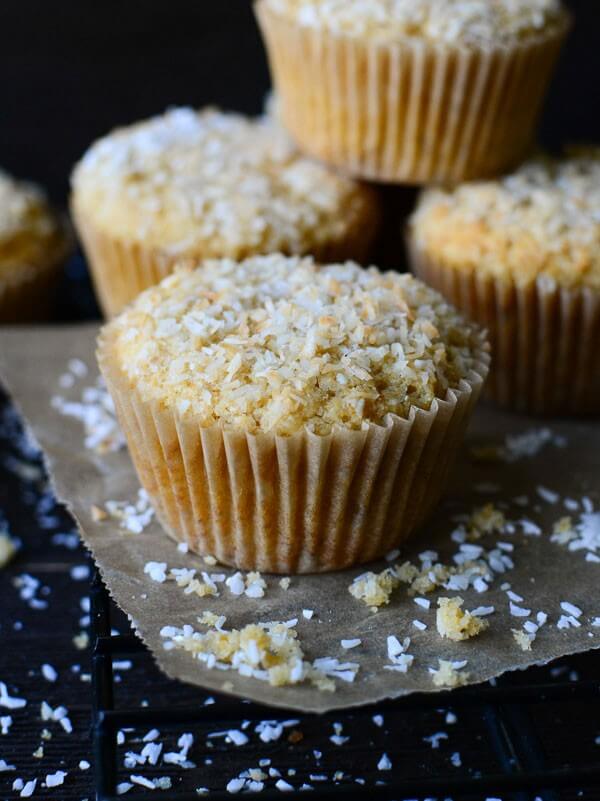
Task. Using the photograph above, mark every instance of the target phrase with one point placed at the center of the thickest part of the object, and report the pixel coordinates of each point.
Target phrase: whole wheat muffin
(290, 417)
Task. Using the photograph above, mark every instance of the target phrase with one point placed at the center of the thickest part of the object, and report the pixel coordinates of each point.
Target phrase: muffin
(288, 417)
(521, 256)
(413, 91)
(33, 246)
(203, 185)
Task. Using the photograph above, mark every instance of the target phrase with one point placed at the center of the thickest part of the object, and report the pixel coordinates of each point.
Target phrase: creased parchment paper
(545, 573)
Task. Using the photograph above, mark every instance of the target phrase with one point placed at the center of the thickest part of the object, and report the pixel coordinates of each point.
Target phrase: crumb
(81, 640)
(98, 514)
(7, 549)
(523, 639)
(563, 531)
(486, 453)
(485, 520)
(375, 589)
(455, 624)
(285, 582)
(449, 674)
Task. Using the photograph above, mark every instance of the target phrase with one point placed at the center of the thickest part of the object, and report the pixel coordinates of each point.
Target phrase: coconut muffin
(33, 245)
(207, 184)
(288, 417)
(413, 91)
(521, 256)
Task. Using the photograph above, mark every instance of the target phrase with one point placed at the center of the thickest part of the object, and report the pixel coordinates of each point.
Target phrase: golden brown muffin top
(474, 23)
(541, 221)
(273, 344)
(217, 184)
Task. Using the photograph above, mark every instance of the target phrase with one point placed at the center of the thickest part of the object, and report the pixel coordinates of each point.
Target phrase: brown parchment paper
(545, 573)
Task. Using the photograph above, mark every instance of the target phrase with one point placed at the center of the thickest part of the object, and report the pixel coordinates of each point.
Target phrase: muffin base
(545, 354)
(29, 296)
(408, 111)
(122, 269)
(298, 504)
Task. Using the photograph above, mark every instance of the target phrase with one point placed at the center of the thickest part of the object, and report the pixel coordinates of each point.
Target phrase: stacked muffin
(413, 91)
(291, 412)
(189, 185)
(521, 255)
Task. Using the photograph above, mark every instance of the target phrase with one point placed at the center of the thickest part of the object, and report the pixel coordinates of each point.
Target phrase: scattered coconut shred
(252, 585)
(584, 535)
(133, 517)
(94, 410)
(266, 651)
(519, 446)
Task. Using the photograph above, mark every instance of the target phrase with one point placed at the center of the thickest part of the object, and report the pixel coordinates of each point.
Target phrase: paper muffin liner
(545, 354)
(122, 269)
(299, 504)
(408, 111)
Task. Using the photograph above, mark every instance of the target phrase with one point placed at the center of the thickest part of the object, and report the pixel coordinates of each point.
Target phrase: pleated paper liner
(545, 339)
(298, 504)
(408, 111)
(122, 269)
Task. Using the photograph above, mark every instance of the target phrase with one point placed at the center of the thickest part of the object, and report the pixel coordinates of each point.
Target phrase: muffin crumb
(523, 639)
(455, 624)
(375, 589)
(7, 549)
(449, 674)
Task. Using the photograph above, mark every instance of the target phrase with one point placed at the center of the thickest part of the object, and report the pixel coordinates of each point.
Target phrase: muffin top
(272, 344)
(215, 184)
(463, 22)
(541, 221)
(31, 235)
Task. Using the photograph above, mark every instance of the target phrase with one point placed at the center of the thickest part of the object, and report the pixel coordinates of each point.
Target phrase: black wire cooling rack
(549, 760)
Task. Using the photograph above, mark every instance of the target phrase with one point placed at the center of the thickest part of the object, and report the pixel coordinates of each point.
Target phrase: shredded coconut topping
(465, 22)
(275, 343)
(215, 184)
(541, 222)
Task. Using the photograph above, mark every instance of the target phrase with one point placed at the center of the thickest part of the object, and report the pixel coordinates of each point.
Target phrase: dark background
(70, 70)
